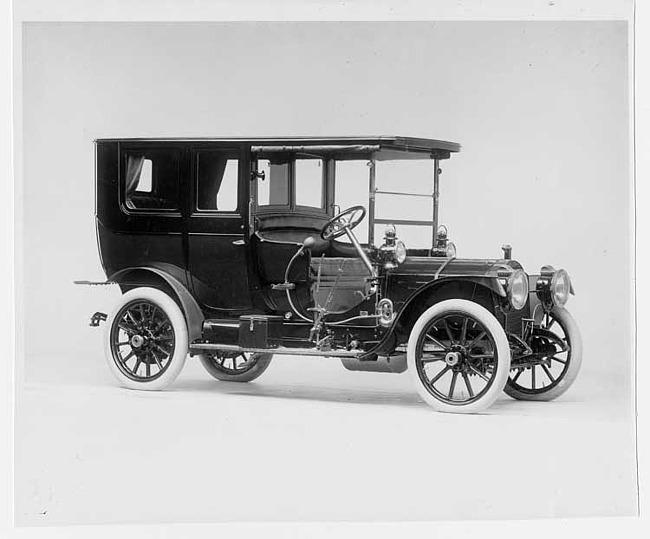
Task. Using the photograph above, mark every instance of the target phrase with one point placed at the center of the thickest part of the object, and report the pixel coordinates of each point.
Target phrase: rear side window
(144, 181)
(151, 180)
(217, 174)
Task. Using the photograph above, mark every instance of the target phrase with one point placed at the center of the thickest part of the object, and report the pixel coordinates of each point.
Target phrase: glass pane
(390, 206)
(227, 195)
(217, 182)
(414, 177)
(274, 188)
(405, 176)
(144, 184)
(352, 179)
(309, 182)
(151, 180)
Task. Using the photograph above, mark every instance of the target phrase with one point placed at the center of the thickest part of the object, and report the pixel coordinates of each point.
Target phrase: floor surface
(307, 441)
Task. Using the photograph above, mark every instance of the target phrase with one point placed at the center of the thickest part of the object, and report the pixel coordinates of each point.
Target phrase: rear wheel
(146, 340)
(458, 356)
(558, 346)
(235, 367)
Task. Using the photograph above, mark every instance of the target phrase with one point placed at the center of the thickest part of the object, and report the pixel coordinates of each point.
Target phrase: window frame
(146, 152)
(292, 206)
(231, 153)
(323, 184)
(273, 207)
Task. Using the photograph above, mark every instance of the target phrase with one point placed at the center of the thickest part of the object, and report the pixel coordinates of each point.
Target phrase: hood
(437, 267)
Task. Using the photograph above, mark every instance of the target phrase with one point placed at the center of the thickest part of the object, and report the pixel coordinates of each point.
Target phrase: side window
(274, 188)
(151, 180)
(144, 182)
(309, 182)
(217, 180)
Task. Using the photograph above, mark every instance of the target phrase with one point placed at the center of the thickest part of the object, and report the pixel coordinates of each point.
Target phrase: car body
(234, 250)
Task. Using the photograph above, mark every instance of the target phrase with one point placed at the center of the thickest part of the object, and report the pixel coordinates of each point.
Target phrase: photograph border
(167, 10)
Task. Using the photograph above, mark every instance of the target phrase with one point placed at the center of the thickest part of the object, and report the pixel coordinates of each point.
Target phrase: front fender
(488, 282)
(490, 285)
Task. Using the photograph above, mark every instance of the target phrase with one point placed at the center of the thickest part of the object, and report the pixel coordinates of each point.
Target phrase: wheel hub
(453, 358)
(137, 341)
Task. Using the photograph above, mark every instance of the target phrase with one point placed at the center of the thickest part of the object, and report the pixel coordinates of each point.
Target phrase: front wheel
(458, 356)
(235, 367)
(558, 347)
(146, 340)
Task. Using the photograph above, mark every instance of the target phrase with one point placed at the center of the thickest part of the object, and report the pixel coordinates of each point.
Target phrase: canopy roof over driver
(383, 148)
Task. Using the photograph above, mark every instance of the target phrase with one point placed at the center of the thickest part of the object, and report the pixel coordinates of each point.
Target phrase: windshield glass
(396, 182)
(415, 180)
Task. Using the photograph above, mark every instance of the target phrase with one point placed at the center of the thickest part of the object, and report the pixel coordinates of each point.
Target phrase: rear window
(151, 180)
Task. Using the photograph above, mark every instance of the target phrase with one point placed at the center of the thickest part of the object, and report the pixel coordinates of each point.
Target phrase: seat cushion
(329, 248)
(296, 236)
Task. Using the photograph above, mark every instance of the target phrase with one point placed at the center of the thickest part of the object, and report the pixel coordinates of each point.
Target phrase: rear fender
(129, 278)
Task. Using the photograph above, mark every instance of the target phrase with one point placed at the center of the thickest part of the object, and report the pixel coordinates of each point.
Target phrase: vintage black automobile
(234, 250)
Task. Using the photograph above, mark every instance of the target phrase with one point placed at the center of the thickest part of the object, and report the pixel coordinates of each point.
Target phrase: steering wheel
(338, 225)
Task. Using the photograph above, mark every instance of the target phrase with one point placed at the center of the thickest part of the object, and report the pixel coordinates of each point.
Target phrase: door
(146, 227)
(217, 234)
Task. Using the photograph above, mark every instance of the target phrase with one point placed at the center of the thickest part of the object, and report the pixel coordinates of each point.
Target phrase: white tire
(545, 382)
(442, 357)
(146, 340)
(243, 367)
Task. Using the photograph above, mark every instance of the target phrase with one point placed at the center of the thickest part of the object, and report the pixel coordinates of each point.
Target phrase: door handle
(238, 242)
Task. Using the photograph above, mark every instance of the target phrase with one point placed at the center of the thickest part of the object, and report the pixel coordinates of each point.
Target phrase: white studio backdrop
(542, 112)
(540, 108)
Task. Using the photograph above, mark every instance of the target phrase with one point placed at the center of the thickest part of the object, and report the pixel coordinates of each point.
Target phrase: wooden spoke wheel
(235, 367)
(147, 339)
(557, 349)
(459, 356)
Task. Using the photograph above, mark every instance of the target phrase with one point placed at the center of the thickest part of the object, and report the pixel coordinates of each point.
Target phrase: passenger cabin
(205, 208)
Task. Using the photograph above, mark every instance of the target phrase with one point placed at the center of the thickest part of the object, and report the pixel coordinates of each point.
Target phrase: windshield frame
(373, 191)
(330, 156)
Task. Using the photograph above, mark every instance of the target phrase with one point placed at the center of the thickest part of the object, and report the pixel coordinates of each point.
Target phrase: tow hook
(97, 318)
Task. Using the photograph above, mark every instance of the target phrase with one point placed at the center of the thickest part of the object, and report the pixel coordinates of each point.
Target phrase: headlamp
(560, 287)
(442, 245)
(518, 289)
(400, 252)
(393, 251)
(450, 250)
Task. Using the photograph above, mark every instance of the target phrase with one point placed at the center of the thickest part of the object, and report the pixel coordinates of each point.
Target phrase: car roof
(385, 147)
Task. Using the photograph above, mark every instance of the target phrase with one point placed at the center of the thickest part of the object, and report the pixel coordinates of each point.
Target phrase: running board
(197, 347)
